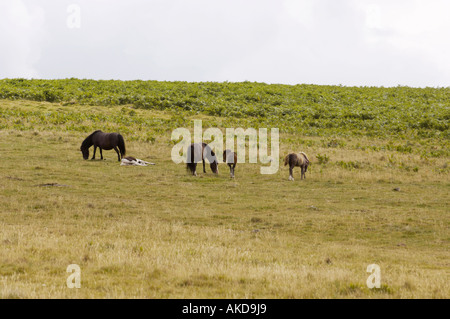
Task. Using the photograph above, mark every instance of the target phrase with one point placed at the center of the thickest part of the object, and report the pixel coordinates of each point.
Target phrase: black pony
(198, 152)
(104, 141)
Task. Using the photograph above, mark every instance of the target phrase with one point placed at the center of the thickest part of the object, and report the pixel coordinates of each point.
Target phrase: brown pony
(198, 152)
(293, 160)
(230, 158)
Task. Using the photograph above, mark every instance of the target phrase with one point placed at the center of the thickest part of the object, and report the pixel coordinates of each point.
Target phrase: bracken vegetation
(312, 109)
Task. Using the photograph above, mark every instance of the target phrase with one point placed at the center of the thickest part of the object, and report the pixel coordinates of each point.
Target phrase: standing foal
(230, 158)
(300, 160)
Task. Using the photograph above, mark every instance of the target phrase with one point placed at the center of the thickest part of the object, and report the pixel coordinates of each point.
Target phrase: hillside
(402, 112)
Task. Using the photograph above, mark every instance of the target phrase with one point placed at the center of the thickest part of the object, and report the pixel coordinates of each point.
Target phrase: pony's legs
(118, 153)
(194, 172)
(291, 177)
(232, 170)
(93, 156)
(303, 172)
(204, 170)
(101, 153)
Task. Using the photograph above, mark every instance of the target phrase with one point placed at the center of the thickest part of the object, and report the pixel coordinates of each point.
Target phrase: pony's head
(86, 144)
(212, 158)
(214, 166)
(209, 154)
(85, 147)
(85, 152)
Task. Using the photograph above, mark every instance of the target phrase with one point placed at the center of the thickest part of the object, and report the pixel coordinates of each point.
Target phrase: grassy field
(156, 232)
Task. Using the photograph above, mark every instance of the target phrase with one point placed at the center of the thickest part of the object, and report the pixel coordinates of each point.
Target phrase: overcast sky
(348, 42)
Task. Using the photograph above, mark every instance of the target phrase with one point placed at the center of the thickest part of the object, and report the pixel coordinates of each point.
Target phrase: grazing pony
(230, 158)
(104, 141)
(300, 160)
(198, 152)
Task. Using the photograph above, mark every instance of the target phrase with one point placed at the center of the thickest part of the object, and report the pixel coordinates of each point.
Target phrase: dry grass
(156, 232)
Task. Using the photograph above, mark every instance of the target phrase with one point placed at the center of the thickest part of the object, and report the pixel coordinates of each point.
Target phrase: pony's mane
(87, 142)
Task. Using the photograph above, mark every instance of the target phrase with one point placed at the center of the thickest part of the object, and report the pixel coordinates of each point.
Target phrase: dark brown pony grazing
(198, 152)
(230, 158)
(300, 160)
(104, 141)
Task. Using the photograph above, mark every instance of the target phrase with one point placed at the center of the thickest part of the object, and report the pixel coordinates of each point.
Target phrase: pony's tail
(190, 158)
(121, 145)
(286, 160)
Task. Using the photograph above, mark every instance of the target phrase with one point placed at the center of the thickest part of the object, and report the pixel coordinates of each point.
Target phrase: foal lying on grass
(129, 160)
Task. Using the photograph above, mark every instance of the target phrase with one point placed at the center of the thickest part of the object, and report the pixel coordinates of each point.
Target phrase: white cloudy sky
(348, 42)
